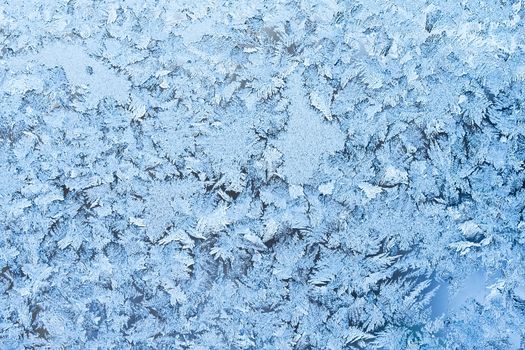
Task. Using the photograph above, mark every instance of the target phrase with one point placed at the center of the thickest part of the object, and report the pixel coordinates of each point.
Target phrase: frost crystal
(256, 174)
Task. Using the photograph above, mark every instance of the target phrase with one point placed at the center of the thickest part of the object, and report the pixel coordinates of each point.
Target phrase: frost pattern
(317, 174)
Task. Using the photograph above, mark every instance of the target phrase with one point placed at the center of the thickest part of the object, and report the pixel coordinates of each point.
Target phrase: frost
(470, 229)
(326, 188)
(370, 191)
(394, 176)
(307, 139)
(262, 174)
(83, 70)
(296, 191)
(137, 222)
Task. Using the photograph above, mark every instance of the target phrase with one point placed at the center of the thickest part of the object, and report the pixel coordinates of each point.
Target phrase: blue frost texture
(257, 174)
